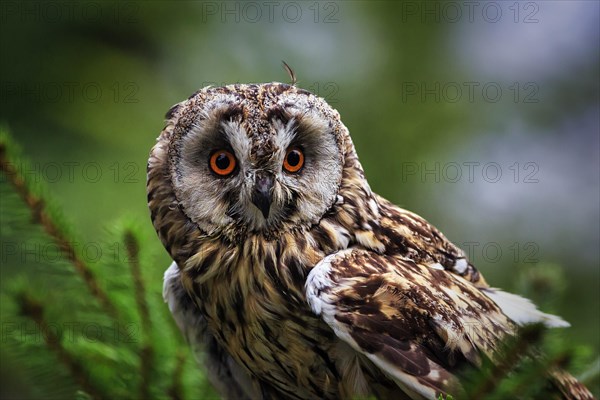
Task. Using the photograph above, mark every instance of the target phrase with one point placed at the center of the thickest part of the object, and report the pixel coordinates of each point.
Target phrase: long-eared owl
(292, 279)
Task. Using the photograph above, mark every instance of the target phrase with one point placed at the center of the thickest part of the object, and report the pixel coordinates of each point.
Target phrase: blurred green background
(482, 117)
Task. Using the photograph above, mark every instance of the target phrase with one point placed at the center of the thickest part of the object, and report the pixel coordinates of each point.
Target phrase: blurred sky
(483, 117)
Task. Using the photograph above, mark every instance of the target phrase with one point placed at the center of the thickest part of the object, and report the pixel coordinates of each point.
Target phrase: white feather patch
(317, 281)
(171, 275)
(187, 320)
(460, 266)
(522, 310)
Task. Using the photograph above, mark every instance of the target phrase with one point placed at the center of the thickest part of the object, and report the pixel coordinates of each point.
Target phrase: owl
(291, 279)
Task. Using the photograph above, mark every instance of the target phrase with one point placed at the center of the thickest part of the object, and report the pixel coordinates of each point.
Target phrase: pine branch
(42, 217)
(528, 336)
(147, 354)
(34, 310)
(109, 352)
(176, 389)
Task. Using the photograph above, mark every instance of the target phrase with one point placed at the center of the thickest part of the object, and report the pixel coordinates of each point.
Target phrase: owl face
(255, 158)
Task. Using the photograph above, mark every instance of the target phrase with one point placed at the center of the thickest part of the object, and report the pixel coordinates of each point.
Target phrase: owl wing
(224, 373)
(404, 232)
(417, 322)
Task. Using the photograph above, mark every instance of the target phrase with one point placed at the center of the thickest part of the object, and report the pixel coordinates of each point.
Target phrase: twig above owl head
(290, 73)
(250, 158)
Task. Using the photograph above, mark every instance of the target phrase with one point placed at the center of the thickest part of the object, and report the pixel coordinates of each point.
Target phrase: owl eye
(294, 160)
(222, 162)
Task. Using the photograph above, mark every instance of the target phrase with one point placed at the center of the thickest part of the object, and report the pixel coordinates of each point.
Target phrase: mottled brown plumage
(326, 290)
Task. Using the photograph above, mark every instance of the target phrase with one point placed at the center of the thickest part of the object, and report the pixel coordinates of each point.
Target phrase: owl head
(248, 159)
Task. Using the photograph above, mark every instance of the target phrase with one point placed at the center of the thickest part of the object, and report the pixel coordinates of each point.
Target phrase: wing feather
(415, 322)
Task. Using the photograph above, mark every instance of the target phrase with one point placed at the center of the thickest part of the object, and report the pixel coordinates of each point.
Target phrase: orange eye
(294, 160)
(222, 162)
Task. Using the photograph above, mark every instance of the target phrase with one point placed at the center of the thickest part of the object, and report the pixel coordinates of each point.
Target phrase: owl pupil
(222, 161)
(293, 158)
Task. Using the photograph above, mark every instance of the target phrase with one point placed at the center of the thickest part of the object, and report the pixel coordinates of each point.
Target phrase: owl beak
(261, 198)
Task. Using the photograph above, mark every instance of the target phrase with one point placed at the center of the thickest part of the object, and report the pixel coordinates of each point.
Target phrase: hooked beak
(261, 198)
